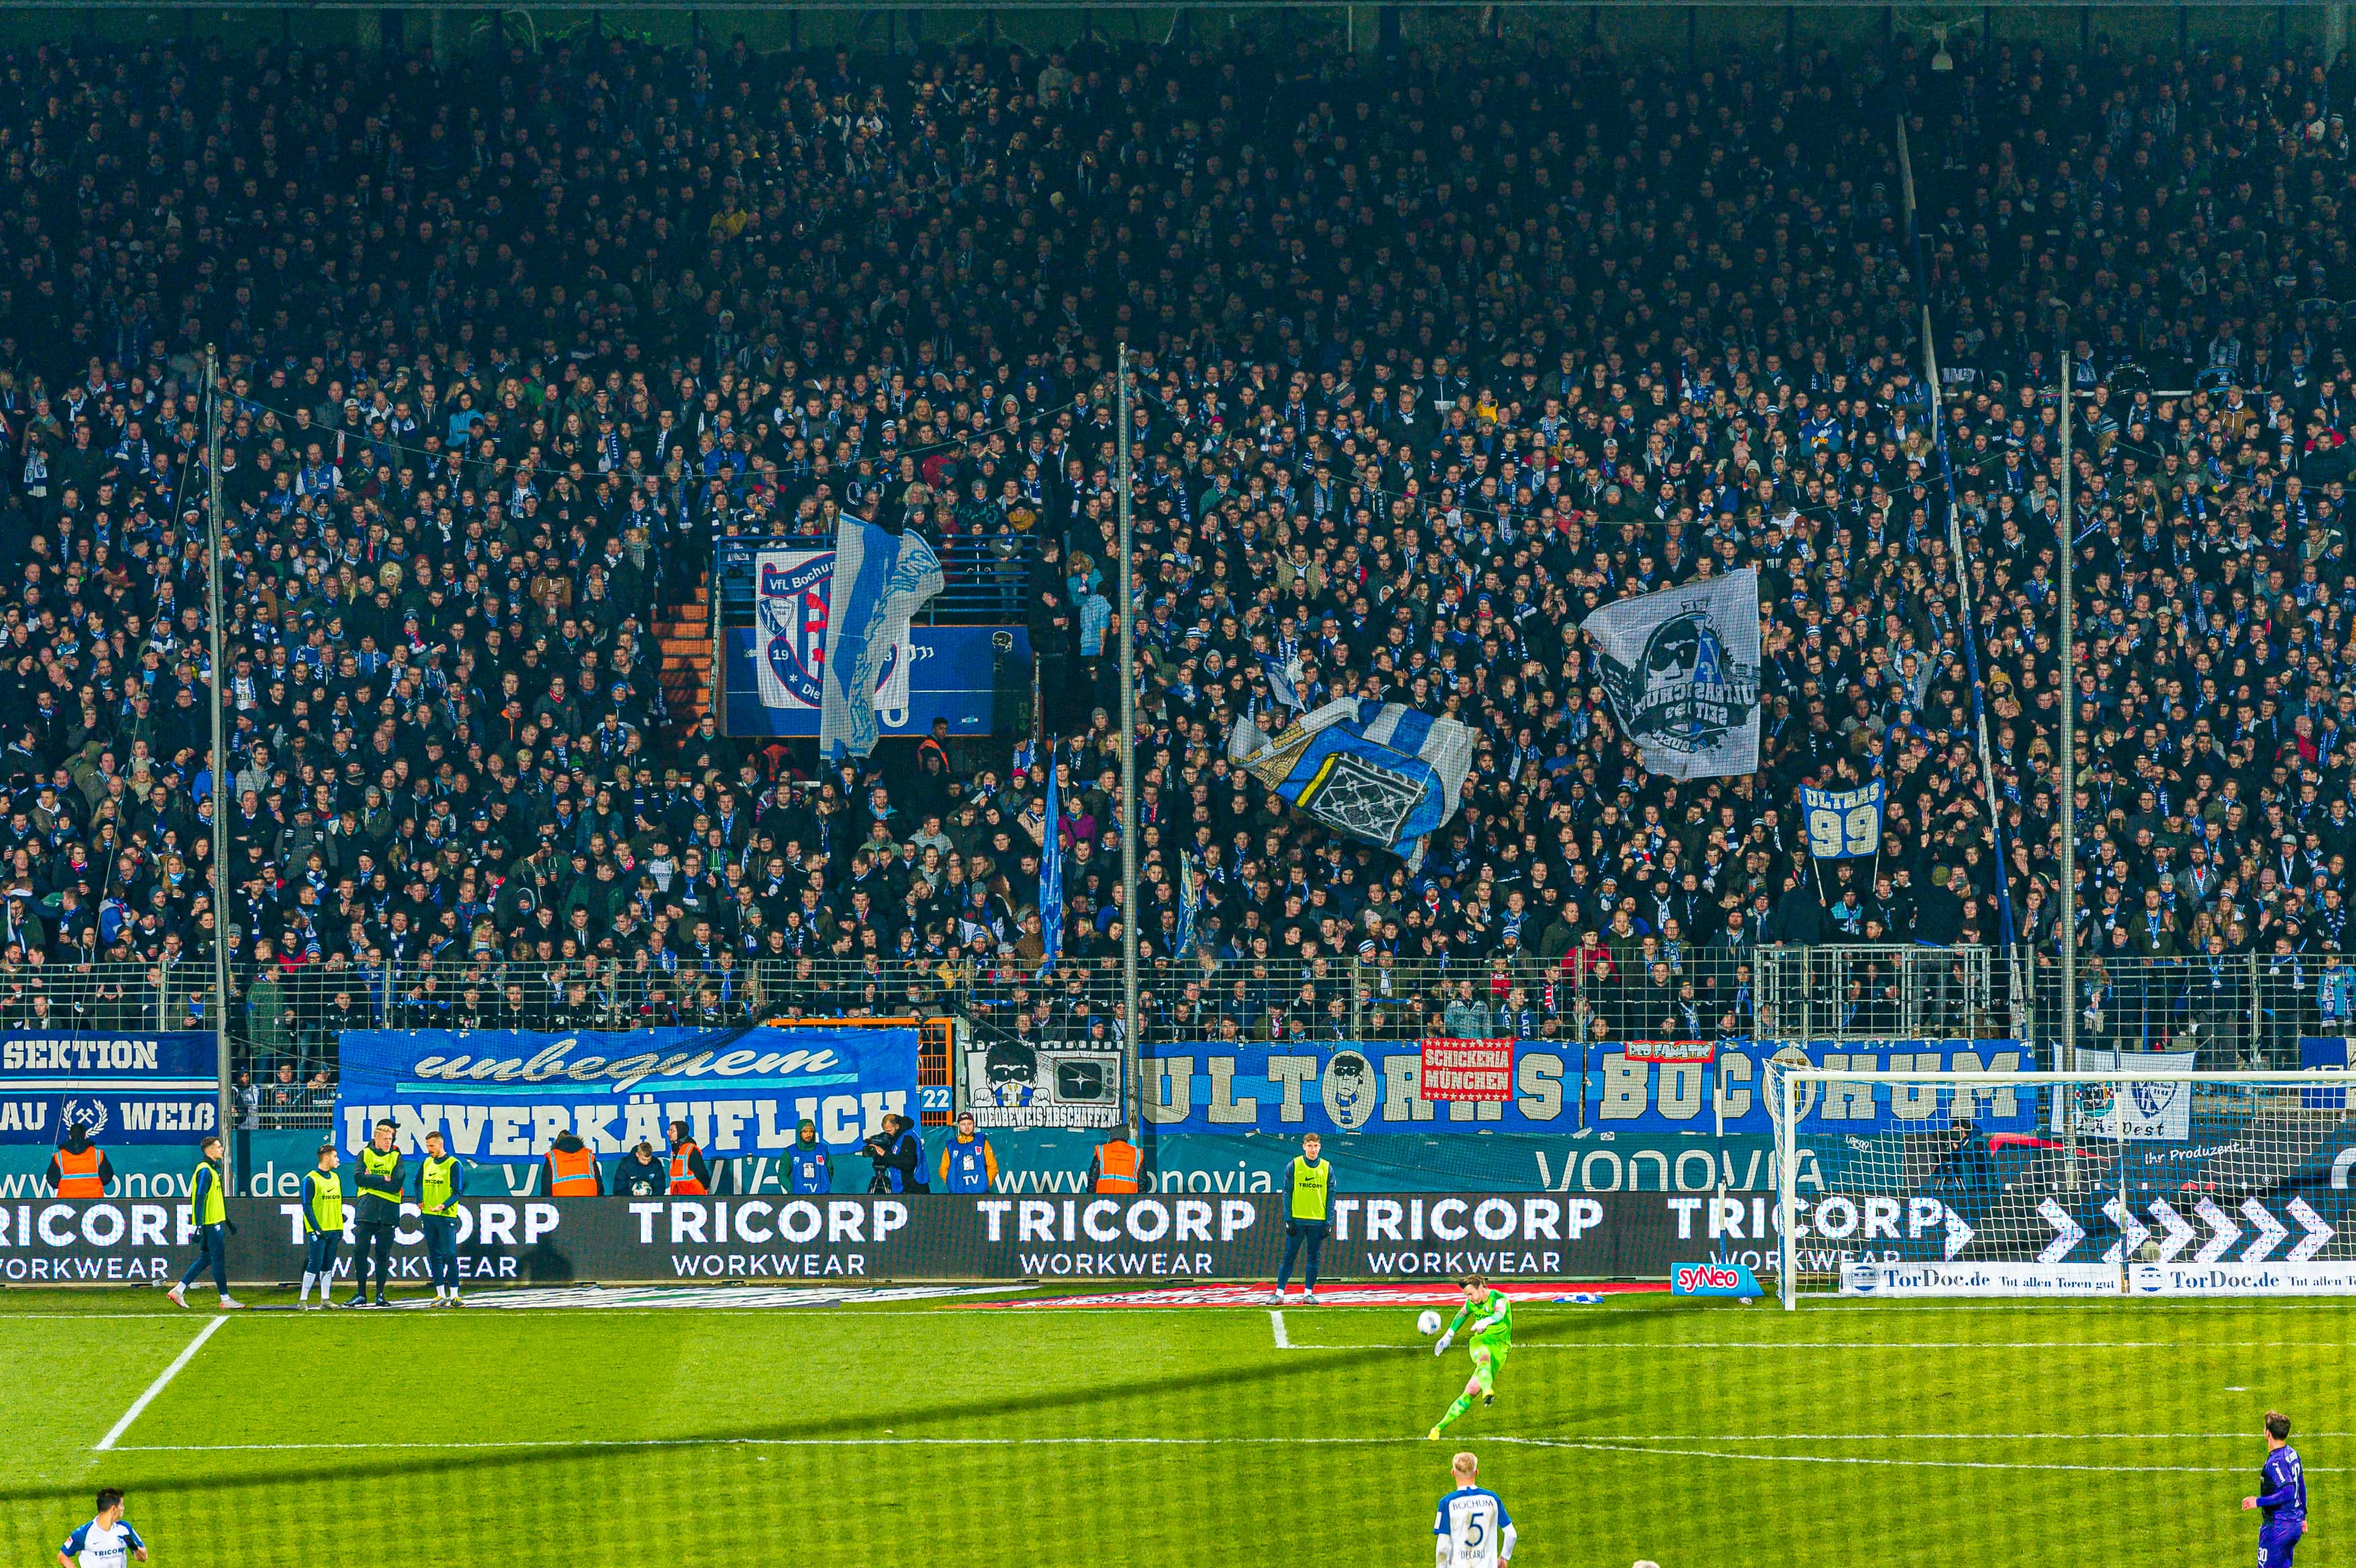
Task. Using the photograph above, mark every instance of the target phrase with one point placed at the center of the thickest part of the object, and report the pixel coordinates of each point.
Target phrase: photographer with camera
(899, 1156)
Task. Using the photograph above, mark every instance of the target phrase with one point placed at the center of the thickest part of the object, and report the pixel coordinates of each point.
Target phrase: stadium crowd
(1432, 357)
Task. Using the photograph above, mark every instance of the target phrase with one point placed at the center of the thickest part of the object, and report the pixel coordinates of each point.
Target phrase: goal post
(2161, 1183)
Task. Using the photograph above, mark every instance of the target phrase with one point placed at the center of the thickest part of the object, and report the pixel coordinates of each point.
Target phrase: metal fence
(2234, 1010)
(983, 575)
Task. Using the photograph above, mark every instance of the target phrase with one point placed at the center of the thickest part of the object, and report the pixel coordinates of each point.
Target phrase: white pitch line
(1283, 1339)
(161, 1380)
(1637, 1446)
(1877, 1345)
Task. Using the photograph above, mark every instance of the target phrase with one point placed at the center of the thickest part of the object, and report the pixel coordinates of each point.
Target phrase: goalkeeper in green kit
(1493, 1340)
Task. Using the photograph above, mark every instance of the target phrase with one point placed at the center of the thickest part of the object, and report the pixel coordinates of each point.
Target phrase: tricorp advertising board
(1138, 1238)
(508, 1094)
(123, 1088)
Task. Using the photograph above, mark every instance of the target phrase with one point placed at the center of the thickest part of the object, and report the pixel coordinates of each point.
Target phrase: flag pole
(1131, 1054)
(213, 553)
(2069, 675)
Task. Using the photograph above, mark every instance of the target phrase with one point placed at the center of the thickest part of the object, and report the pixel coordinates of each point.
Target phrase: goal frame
(1787, 1132)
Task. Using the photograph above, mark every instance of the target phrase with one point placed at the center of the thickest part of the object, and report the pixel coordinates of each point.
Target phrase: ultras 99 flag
(1681, 668)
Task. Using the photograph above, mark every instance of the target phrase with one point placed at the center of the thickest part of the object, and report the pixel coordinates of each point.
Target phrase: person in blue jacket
(968, 1162)
(808, 1168)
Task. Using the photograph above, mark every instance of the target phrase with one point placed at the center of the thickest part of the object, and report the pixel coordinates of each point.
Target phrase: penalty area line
(1275, 1322)
(163, 1380)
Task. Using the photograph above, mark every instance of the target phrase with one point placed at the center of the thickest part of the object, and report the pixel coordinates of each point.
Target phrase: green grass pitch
(1691, 1433)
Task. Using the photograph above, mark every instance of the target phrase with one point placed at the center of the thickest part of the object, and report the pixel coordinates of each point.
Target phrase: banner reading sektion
(507, 1095)
(1137, 1239)
(125, 1088)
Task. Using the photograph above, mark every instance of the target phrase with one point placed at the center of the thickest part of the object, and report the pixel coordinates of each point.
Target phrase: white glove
(1441, 1348)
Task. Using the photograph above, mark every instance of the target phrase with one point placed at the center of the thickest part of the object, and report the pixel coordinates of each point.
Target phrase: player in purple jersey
(2285, 1497)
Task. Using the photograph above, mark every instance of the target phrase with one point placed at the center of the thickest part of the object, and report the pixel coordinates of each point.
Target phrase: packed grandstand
(1432, 357)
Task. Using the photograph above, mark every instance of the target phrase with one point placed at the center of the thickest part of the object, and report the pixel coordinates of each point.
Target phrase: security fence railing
(2232, 1010)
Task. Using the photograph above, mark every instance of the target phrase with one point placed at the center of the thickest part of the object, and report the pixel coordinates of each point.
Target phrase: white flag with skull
(1681, 667)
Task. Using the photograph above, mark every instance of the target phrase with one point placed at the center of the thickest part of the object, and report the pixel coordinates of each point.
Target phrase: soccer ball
(1428, 1323)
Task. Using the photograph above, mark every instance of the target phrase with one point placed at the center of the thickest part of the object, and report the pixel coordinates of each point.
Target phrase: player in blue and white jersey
(1472, 1529)
(106, 1541)
(2284, 1499)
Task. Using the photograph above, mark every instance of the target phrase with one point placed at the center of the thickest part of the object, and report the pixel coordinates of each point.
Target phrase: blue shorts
(2275, 1541)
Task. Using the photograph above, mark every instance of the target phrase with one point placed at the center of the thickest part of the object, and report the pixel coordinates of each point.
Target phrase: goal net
(2051, 1184)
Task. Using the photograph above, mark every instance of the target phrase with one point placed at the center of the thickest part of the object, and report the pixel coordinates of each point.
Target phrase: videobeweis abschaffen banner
(502, 1094)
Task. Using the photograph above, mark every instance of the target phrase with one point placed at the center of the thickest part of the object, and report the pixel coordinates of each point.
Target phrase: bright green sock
(1463, 1403)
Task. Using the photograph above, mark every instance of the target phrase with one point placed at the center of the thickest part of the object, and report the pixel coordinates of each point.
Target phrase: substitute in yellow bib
(439, 1181)
(1308, 1205)
(208, 1211)
(323, 1224)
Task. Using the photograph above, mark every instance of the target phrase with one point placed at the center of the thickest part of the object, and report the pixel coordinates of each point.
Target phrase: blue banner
(1734, 1092)
(125, 1088)
(1844, 824)
(952, 675)
(507, 1095)
(1326, 1086)
(2323, 1053)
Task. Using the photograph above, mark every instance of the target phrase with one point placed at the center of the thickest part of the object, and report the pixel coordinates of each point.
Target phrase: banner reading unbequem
(507, 1095)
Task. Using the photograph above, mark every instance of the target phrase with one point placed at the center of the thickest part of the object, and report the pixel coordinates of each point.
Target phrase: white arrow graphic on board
(2227, 1232)
(2271, 1231)
(1959, 1235)
(2179, 1234)
(2068, 1233)
(2318, 1234)
(2133, 1232)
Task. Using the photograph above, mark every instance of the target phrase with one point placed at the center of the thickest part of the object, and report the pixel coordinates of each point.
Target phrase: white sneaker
(1277, 1297)
(1309, 1298)
(231, 1303)
(176, 1298)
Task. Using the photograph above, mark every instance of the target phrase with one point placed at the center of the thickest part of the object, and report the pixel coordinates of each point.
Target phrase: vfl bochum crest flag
(1681, 667)
(881, 580)
(1382, 772)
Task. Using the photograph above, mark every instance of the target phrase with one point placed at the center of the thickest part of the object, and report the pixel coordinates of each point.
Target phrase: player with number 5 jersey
(1473, 1529)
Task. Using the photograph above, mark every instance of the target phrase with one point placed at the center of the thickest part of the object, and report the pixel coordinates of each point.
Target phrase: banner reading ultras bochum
(836, 1240)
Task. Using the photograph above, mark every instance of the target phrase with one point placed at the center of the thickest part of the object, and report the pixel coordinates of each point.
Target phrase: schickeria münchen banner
(124, 1088)
(1137, 1239)
(503, 1096)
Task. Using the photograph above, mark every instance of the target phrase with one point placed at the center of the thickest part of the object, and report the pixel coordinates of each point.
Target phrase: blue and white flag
(1681, 667)
(1281, 683)
(881, 580)
(1843, 824)
(1381, 772)
(1051, 874)
(1190, 905)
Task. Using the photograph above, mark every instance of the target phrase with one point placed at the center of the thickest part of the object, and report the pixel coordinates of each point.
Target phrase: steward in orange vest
(79, 1169)
(1114, 1168)
(691, 1177)
(572, 1168)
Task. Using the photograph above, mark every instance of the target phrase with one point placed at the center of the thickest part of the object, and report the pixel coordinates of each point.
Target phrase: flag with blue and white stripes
(1382, 772)
(1051, 874)
(881, 580)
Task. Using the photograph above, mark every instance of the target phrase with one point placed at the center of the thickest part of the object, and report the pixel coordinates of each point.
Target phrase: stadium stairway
(685, 638)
